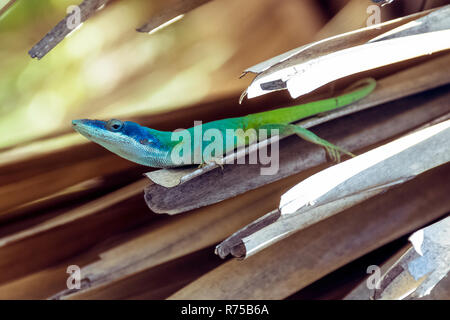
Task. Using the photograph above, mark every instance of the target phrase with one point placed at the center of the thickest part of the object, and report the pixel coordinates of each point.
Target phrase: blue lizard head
(126, 139)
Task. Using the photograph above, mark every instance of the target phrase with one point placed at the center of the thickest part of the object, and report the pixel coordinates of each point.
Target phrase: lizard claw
(217, 161)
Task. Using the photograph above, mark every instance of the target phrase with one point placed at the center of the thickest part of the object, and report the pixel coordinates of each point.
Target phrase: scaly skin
(154, 148)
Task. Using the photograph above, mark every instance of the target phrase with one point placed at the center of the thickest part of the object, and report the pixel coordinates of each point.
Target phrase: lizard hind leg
(333, 151)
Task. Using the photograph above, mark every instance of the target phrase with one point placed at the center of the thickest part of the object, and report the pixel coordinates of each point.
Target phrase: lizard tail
(290, 114)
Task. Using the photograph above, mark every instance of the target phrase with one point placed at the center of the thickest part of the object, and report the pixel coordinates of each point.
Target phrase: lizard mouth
(78, 127)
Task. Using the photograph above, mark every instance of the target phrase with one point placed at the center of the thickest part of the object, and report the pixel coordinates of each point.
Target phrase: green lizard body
(156, 148)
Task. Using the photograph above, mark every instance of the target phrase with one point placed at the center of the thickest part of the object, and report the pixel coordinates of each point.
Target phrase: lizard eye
(114, 125)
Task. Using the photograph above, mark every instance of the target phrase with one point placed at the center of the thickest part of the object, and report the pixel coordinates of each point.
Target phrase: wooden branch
(355, 132)
(174, 10)
(295, 70)
(87, 9)
(306, 256)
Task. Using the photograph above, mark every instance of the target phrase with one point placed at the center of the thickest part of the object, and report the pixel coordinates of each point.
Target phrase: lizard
(154, 148)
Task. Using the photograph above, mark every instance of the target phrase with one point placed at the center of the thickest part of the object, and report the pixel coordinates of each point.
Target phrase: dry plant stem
(34, 166)
(61, 30)
(292, 264)
(427, 75)
(302, 55)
